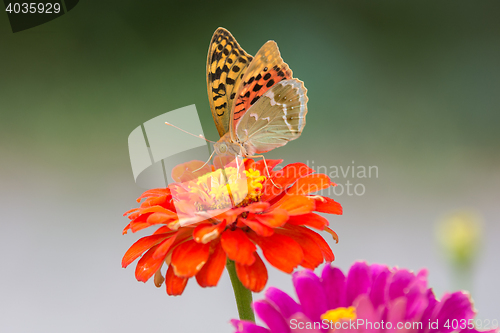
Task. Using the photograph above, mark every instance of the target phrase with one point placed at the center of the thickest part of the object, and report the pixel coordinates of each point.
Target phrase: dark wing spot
(280, 73)
(232, 95)
(229, 80)
(225, 69)
(220, 47)
(258, 77)
(236, 53)
(226, 52)
(217, 74)
(267, 76)
(223, 105)
(229, 60)
(221, 87)
(270, 83)
(265, 69)
(276, 68)
(216, 56)
(242, 60)
(247, 94)
(236, 69)
(251, 80)
(254, 100)
(257, 87)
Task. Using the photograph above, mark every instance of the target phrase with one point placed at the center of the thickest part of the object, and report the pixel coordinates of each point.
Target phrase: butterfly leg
(267, 169)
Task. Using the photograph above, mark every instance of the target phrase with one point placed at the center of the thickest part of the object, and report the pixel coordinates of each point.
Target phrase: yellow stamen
(339, 314)
(226, 188)
(254, 183)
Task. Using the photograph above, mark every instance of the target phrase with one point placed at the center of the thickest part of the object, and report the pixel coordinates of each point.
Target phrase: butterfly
(256, 104)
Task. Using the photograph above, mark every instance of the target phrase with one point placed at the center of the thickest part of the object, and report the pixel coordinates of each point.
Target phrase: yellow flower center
(339, 314)
(254, 184)
(224, 188)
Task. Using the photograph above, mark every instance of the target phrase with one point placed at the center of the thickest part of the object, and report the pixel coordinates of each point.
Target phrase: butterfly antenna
(198, 136)
(205, 162)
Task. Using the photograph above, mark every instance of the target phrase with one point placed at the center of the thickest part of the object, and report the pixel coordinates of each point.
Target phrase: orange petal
(261, 166)
(161, 218)
(158, 278)
(333, 233)
(130, 211)
(231, 215)
(313, 256)
(141, 218)
(207, 232)
(140, 246)
(328, 205)
(147, 265)
(295, 204)
(157, 192)
(139, 226)
(249, 163)
(162, 230)
(157, 209)
(164, 201)
(284, 178)
(322, 244)
(168, 245)
(309, 183)
(139, 222)
(256, 207)
(185, 207)
(164, 247)
(259, 228)
(274, 219)
(281, 251)
(189, 257)
(175, 285)
(311, 220)
(126, 229)
(186, 171)
(211, 272)
(238, 247)
(253, 277)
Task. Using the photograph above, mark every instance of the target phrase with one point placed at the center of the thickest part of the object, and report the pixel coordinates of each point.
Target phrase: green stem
(243, 295)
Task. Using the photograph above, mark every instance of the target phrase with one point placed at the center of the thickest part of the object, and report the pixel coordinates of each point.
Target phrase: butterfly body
(256, 104)
(226, 146)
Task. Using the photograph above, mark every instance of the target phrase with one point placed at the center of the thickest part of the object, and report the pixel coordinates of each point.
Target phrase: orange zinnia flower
(213, 214)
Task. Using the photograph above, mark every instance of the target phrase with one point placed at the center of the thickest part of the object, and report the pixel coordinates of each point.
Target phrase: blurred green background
(410, 87)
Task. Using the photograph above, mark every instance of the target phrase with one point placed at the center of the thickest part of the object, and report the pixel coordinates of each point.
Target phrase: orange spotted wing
(226, 65)
(266, 69)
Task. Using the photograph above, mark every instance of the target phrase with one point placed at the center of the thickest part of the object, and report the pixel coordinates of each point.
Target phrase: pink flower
(371, 299)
